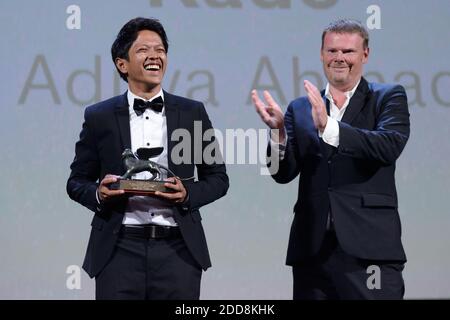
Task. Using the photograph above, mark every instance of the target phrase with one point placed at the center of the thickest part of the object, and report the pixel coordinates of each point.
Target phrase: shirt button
(146, 118)
(148, 143)
(152, 214)
(329, 161)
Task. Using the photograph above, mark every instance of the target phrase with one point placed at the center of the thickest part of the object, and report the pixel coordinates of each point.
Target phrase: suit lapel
(123, 121)
(173, 122)
(326, 101)
(357, 102)
(327, 150)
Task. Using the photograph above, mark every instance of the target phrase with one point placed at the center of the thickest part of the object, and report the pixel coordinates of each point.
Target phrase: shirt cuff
(276, 147)
(331, 133)
(96, 196)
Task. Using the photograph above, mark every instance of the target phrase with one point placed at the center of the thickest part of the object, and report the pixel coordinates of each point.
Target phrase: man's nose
(339, 56)
(152, 54)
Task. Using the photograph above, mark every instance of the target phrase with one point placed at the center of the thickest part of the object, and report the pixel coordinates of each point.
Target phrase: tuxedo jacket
(104, 136)
(354, 182)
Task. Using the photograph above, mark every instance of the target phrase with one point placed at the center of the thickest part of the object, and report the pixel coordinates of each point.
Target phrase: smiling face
(343, 56)
(146, 64)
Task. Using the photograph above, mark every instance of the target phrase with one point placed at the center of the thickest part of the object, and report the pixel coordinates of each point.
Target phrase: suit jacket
(104, 136)
(355, 181)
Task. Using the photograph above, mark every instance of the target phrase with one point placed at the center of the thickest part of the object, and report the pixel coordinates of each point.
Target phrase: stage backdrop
(55, 60)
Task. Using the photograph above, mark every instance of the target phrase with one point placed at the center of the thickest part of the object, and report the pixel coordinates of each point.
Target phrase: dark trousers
(150, 269)
(335, 275)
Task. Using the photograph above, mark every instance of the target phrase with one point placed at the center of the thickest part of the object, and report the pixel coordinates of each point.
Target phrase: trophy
(140, 162)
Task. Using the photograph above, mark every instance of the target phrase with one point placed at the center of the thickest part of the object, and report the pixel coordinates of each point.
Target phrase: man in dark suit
(145, 247)
(345, 240)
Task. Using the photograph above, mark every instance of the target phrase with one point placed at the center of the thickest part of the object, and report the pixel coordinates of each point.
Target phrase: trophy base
(140, 187)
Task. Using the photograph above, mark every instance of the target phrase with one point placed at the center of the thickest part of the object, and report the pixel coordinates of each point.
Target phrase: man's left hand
(318, 110)
(179, 196)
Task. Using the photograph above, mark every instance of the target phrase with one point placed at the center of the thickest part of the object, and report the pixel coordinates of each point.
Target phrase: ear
(366, 55)
(122, 65)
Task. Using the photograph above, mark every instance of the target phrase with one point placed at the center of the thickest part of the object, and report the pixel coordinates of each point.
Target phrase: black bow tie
(140, 105)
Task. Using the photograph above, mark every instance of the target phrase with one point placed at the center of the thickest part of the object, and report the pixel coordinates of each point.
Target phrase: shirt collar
(131, 96)
(348, 94)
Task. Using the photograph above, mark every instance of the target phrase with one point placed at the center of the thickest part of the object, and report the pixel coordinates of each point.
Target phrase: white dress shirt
(149, 130)
(330, 134)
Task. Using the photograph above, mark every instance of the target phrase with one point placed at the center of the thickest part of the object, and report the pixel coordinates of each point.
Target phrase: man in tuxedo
(345, 240)
(145, 247)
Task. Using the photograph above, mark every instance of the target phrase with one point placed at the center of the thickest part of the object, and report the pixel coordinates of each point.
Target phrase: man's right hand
(271, 114)
(104, 193)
